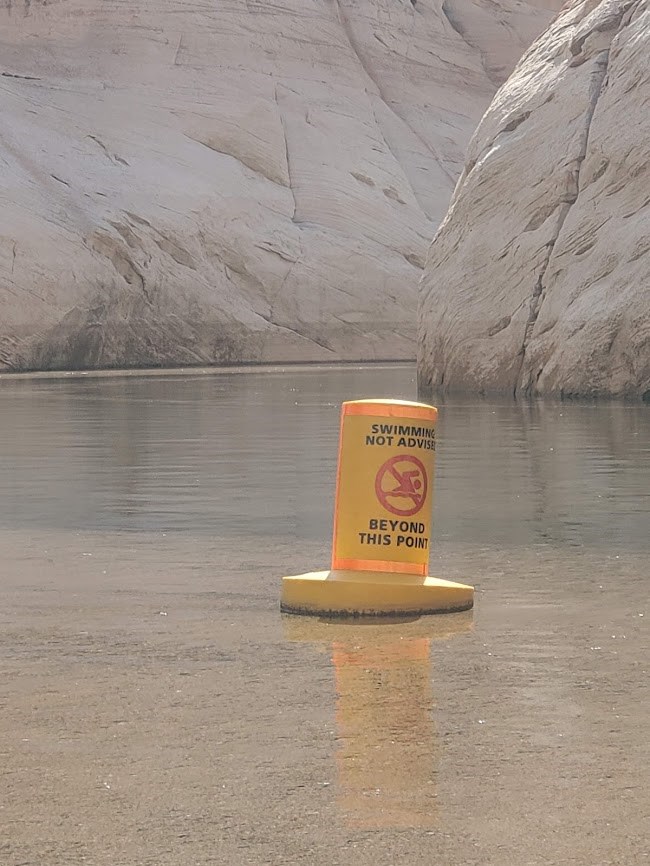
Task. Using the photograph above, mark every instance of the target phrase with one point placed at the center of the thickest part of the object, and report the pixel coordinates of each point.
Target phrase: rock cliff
(538, 280)
(238, 181)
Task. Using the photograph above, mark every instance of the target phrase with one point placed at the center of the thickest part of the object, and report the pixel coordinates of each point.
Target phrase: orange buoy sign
(382, 518)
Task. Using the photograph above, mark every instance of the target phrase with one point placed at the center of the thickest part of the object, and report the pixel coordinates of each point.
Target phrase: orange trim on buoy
(390, 409)
(379, 565)
(338, 488)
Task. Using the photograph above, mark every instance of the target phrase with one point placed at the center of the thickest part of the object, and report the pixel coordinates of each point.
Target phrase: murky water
(155, 708)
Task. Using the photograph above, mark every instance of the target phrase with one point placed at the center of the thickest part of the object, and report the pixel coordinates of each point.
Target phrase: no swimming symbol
(401, 485)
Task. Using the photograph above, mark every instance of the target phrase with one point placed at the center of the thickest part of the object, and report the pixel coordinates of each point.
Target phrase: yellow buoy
(382, 520)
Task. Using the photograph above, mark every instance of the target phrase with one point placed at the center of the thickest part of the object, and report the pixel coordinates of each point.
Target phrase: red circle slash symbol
(401, 485)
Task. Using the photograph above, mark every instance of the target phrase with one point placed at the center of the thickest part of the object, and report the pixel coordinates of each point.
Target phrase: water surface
(157, 709)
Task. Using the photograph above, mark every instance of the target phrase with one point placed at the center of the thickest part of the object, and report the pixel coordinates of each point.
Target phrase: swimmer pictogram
(401, 485)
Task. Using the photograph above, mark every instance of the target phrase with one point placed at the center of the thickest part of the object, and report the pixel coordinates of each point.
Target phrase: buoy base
(371, 593)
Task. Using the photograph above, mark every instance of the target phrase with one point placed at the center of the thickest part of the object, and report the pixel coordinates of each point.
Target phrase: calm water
(157, 709)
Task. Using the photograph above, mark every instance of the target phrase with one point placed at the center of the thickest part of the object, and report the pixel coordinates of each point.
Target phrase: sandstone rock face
(238, 181)
(538, 280)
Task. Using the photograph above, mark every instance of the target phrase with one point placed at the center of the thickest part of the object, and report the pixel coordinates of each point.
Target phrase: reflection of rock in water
(387, 752)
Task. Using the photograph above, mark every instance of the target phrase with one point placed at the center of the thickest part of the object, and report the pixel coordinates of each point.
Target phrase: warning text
(402, 436)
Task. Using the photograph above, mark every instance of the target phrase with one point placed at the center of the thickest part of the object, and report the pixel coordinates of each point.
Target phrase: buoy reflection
(387, 750)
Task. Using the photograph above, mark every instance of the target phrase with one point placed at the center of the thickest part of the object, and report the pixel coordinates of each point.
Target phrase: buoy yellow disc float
(382, 520)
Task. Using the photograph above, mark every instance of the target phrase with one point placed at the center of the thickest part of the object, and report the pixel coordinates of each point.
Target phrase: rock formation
(538, 280)
(242, 181)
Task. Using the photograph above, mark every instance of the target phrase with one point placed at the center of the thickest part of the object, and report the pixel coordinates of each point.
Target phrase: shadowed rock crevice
(374, 80)
(598, 77)
(457, 25)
